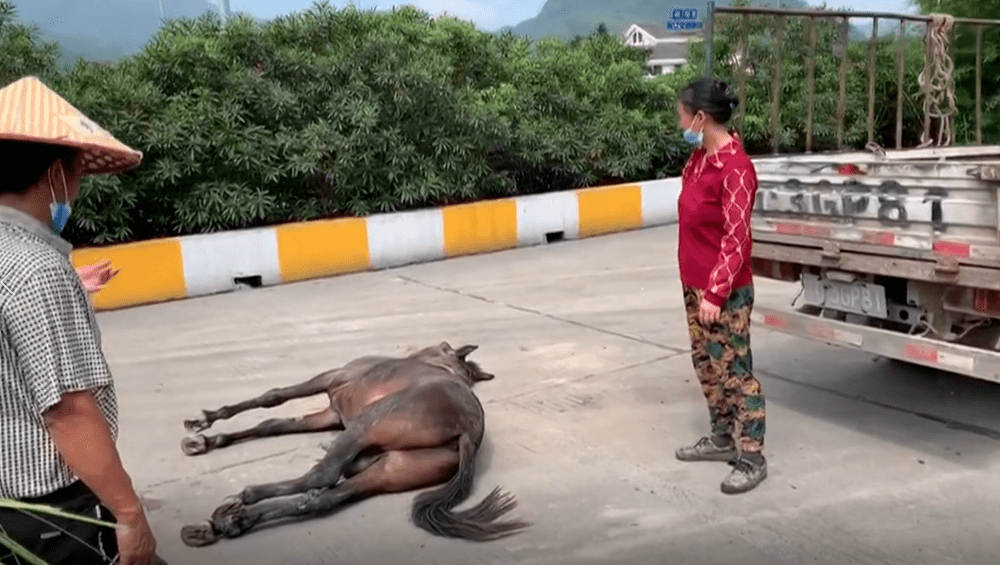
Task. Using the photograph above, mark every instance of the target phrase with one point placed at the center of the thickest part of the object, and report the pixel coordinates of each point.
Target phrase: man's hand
(136, 544)
(95, 276)
(708, 313)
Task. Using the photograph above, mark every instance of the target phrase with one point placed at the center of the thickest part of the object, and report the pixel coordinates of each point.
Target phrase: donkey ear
(465, 350)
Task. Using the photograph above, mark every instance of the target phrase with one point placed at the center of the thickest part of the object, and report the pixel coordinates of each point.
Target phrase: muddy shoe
(707, 450)
(747, 473)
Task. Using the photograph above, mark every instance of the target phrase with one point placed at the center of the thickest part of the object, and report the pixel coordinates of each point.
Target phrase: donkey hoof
(197, 445)
(228, 519)
(199, 425)
(199, 536)
(230, 508)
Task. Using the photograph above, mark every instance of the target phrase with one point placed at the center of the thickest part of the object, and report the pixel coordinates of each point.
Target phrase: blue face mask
(59, 211)
(693, 138)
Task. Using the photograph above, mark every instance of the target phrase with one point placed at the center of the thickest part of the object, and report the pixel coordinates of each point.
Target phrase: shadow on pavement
(942, 414)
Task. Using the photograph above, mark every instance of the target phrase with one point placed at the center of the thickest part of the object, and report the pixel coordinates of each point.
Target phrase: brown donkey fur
(408, 423)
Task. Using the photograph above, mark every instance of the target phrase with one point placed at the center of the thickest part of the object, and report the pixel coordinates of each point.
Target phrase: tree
(334, 113)
(24, 52)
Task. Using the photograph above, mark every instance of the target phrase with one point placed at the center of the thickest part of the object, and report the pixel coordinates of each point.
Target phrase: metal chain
(938, 82)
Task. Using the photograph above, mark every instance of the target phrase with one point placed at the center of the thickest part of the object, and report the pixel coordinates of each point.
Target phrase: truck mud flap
(960, 359)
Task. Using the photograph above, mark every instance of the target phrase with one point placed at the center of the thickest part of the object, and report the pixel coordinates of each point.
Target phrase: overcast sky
(493, 14)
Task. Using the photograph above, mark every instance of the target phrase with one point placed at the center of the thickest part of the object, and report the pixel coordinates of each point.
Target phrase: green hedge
(341, 113)
(331, 113)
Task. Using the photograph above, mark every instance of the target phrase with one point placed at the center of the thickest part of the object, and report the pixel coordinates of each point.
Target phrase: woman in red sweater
(719, 184)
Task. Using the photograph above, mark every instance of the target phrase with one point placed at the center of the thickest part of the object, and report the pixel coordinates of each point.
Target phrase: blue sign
(683, 19)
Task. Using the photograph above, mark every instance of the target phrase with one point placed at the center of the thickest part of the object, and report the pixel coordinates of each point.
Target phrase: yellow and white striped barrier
(199, 265)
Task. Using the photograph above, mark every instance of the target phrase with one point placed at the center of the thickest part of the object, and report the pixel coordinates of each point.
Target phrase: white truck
(895, 253)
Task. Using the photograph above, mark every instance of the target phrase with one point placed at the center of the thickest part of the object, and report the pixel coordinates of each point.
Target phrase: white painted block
(956, 361)
(213, 261)
(849, 338)
(659, 201)
(541, 214)
(404, 238)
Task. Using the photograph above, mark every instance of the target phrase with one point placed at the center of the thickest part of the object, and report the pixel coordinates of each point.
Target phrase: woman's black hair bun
(723, 93)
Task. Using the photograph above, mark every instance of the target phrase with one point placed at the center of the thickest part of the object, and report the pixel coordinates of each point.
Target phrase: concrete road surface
(871, 461)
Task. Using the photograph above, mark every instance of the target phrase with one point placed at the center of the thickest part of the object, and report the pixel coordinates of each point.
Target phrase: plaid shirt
(49, 345)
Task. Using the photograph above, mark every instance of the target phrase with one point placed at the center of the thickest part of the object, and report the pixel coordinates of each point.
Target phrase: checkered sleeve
(54, 335)
(738, 188)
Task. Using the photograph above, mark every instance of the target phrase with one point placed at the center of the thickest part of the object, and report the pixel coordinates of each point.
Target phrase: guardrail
(163, 270)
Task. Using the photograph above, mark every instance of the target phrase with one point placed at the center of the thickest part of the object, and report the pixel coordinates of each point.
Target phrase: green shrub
(24, 52)
(342, 113)
(339, 112)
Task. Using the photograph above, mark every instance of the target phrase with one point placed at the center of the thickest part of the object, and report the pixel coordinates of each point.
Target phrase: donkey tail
(432, 510)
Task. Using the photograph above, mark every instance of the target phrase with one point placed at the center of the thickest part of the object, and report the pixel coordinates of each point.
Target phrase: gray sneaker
(707, 450)
(745, 476)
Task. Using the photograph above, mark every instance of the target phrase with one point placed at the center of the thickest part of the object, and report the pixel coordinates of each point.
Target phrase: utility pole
(222, 6)
(709, 37)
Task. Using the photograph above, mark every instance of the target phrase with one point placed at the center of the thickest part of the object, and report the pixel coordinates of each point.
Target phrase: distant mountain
(566, 19)
(104, 30)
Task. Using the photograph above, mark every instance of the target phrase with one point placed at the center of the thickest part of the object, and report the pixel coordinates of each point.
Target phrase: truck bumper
(960, 359)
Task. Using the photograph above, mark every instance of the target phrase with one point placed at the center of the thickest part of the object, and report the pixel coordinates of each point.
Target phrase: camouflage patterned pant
(724, 364)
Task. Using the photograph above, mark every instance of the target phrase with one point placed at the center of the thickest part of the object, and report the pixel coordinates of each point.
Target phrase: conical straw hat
(31, 111)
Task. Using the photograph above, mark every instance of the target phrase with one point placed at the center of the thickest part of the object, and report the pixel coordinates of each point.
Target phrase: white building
(668, 49)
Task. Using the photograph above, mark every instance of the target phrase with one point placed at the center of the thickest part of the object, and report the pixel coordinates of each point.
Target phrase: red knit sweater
(714, 242)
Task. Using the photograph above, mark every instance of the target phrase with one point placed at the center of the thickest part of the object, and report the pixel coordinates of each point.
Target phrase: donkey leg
(379, 428)
(394, 471)
(327, 419)
(274, 397)
(340, 456)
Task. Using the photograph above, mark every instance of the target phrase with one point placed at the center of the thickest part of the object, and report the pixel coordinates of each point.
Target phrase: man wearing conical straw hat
(58, 407)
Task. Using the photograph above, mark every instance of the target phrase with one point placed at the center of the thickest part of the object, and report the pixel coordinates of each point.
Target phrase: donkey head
(468, 369)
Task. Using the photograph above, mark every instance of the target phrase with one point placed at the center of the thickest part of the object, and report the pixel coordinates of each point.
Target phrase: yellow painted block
(482, 227)
(323, 248)
(149, 272)
(610, 209)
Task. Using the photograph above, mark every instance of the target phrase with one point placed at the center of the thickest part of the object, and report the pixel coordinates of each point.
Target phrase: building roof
(656, 30)
(659, 33)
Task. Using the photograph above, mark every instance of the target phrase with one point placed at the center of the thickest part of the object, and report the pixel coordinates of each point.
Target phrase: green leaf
(9, 504)
(20, 551)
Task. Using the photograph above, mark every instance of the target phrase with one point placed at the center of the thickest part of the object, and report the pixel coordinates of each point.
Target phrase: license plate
(857, 298)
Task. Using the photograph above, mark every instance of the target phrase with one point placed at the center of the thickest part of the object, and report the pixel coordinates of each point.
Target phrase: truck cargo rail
(939, 29)
(954, 358)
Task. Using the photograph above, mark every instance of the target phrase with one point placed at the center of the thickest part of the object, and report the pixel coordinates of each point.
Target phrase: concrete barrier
(199, 265)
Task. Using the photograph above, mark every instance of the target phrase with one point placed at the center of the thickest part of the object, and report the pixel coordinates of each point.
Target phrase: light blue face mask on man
(59, 211)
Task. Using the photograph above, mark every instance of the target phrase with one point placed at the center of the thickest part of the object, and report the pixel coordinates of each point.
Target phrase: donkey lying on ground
(408, 423)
